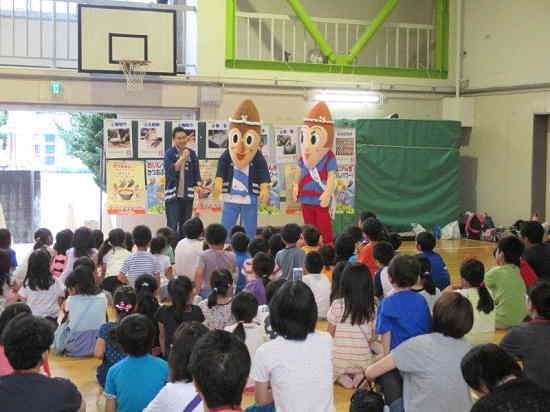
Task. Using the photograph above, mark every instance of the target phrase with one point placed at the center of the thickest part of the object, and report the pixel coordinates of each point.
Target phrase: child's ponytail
(124, 301)
(221, 280)
(428, 283)
(244, 308)
(473, 271)
(116, 239)
(239, 332)
(42, 237)
(486, 303)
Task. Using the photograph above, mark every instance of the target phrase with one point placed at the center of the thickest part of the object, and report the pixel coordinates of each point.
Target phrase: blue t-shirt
(405, 314)
(439, 270)
(134, 382)
(240, 258)
(311, 190)
(13, 257)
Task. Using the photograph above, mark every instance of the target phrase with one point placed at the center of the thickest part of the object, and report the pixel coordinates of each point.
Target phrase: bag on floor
(451, 231)
(473, 227)
(366, 400)
(418, 228)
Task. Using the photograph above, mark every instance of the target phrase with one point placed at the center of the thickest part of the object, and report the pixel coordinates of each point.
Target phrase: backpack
(366, 400)
(473, 227)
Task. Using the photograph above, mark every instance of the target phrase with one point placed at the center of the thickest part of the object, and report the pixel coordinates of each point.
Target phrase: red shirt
(366, 257)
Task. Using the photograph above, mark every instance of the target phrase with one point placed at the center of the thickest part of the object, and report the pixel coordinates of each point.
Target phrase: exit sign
(56, 88)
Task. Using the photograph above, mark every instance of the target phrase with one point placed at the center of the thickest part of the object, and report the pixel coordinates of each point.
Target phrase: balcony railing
(44, 33)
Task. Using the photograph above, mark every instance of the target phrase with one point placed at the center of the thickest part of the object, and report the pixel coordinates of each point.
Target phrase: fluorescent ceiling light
(345, 96)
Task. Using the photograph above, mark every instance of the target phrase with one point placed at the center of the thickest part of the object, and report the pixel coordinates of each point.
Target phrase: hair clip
(145, 284)
(123, 307)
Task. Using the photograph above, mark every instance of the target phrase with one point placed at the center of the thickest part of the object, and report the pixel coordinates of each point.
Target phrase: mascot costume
(243, 174)
(317, 183)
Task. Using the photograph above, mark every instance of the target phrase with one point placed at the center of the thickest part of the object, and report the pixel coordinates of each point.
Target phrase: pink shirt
(6, 369)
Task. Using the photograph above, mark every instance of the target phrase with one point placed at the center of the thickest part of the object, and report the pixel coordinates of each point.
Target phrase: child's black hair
(85, 261)
(193, 228)
(146, 302)
(128, 241)
(275, 244)
(533, 231)
(5, 265)
(82, 242)
(221, 281)
(539, 295)
(10, 312)
(311, 235)
(272, 288)
(426, 241)
(336, 288)
(135, 334)
(125, 303)
(367, 215)
(373, 229)
(355, 232)
(116, 238)
(158, 244)
(267, 232)
(395, 240)
(358, 293)
(344, 247)
(383, 252)
(473, 272)
(512, 248)
(38, 275)
(426, 274)
(257, 245)
(404, 271)
(180, 290)
(215, 234)
(291, 233)
(5, 239)
(314, 262)
(236, 229)
(170, 235)
(142, 236)
(97, 238)
(244, 308)
(82, 281)
(263, 265)
(329, 256)
(63, 241)
(185, 338)
(42, 237)
(239, 242)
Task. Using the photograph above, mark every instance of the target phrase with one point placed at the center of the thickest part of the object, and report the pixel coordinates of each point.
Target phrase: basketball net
(134, 71)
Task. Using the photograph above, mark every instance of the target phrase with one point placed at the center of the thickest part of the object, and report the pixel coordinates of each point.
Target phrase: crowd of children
(393, 320)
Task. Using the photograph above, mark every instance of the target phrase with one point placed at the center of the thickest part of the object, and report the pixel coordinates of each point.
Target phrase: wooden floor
(82, 371)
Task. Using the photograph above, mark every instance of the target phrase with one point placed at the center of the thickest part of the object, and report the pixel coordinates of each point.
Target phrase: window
(49, 138)
(37, 149)
(50, 148)
(50, 160)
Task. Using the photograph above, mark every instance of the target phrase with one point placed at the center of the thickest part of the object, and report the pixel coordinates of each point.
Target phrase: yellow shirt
(308, 249)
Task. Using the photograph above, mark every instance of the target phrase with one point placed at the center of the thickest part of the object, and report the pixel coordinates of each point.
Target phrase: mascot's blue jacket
(258, 172)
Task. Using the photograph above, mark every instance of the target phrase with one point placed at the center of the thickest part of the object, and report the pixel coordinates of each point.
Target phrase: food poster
(345, 175)
(216, 139)
(345, 146)
(274, 205)
(117, 139)
(265, 144)
(151, 139)
(204, 201)
(286, 144)
(191, 129)
(290, 175)
(154, 170)
(126, 187)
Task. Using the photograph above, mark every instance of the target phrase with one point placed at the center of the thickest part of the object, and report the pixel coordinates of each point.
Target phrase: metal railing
(282, 38)
(44, 33)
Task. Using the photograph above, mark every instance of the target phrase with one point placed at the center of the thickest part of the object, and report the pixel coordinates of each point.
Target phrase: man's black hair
(220, 364)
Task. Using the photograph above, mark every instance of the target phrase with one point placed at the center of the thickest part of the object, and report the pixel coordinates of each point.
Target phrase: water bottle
(437, 232)
(297, 273)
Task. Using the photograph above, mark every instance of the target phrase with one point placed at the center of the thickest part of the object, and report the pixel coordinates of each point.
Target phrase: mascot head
(244, 134)
(317, 135)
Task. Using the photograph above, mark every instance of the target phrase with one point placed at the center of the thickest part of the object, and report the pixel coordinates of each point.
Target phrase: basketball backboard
(109, 34)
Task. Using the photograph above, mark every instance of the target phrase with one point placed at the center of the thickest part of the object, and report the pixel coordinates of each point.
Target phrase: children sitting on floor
(329, 260)
(141, 262)
(189, 248)
(318, 283)
(263, 266)
(374, 232)
(383, 253)
(425, 243)
(217, 308)
(110, 258)
(311, 237)
(291, 257)
(239, 245)
(158, 245)
(425, 284)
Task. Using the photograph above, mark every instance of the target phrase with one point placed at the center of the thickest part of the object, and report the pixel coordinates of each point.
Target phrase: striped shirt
(139, 263)
(309, 189)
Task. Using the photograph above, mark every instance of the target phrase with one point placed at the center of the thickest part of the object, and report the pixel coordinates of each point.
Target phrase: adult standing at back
(536, 253)
(183, 177)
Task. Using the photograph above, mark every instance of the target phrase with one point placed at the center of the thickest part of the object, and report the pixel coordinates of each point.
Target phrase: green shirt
(170, 253)
(508, 289)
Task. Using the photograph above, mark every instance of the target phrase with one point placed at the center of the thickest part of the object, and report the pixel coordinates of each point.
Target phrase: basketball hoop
(134, 71)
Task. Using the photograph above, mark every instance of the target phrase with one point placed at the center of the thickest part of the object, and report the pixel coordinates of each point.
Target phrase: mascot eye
(235, 138)
(249, 140)
(314, 138)
(302, 138)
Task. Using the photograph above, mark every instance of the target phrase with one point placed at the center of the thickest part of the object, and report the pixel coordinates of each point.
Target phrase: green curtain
(408, 171)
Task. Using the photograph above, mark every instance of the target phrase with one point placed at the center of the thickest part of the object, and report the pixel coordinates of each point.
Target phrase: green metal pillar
(312, 29)
(231, 9)
(371, 30)
(442, 36)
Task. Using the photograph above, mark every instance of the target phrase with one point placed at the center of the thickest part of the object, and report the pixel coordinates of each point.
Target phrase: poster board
(126, 187)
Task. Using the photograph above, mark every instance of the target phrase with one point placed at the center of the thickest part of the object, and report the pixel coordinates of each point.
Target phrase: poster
(265, 143)
(345, 175)
(345, 146)
(205, 202)
(286, 141)
(126, 187)
(151, 139)
(154, 170)
(117, 139)
(274, 205)
(191, 130)
(216, 139)
(290, 176)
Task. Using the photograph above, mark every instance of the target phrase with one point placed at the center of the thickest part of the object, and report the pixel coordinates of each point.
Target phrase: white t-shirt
(483, 330)
(164, 263)
(320, 286)
(300, 372)
(21, 272)
(114, 260)
(387, 287)
(238, 186)
(187, 257)
(44, 302)
(255, 337)
(174, 397)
